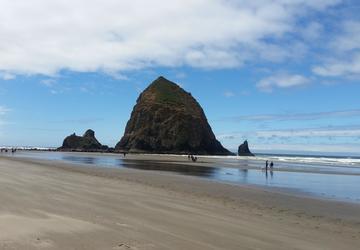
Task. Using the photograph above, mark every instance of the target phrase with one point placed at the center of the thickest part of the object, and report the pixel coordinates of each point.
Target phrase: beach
(58, 205)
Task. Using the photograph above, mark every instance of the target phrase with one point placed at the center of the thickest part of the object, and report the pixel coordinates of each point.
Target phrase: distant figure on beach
(266, 165)
(193, 158)
(124, 154)
(189, 157)
(271, 165)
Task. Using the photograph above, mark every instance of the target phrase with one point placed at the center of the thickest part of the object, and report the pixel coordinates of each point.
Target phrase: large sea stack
(87, 142)
(167, 119)
(244, 150)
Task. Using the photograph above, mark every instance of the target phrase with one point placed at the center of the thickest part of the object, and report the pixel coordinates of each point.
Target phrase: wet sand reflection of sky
(332, 186)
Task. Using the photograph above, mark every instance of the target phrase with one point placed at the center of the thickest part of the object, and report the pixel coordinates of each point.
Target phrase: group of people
(192, 158)
(2, 150)
(267, 166)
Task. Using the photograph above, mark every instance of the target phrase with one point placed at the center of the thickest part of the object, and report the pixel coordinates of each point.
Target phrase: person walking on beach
(271, 165)
(266, 165)
(193, 158)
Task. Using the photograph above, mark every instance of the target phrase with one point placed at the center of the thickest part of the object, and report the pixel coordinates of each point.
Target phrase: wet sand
(53, 205)
(235, 162)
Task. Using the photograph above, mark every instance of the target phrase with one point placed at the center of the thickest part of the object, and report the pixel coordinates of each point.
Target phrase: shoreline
(125, 174)
(206, 161)
(99, 170)
(134, 209)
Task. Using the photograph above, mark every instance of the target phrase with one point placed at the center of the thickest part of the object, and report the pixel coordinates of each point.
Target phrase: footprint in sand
(122, 224)
(42, 243)
(124, 246)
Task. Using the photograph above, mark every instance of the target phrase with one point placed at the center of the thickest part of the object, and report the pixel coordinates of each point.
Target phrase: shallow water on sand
(327, 180)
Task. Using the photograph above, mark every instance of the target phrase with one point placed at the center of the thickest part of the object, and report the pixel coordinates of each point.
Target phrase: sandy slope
(49, 205)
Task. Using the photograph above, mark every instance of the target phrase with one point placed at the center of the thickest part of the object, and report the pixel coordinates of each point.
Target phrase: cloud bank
(45, 37)
(318, 132)
(298, 116)
(334, 139)
(344, 61)
(281, 81)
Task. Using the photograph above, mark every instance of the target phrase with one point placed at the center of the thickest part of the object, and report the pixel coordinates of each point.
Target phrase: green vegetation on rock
(165, 92)
(167, 119)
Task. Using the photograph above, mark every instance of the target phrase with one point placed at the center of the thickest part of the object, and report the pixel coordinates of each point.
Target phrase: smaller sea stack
(244, 149)
(87, 142)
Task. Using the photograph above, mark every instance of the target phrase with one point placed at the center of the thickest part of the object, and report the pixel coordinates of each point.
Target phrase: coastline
(134, 209)
(235, 162)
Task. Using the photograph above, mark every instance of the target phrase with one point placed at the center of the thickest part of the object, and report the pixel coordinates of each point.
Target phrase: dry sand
(52, 205)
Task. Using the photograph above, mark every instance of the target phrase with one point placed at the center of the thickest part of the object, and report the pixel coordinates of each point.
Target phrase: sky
(283, 74)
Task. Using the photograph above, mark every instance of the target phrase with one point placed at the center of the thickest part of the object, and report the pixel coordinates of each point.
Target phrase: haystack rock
(87, 142)
(244, 150)
(166, 119)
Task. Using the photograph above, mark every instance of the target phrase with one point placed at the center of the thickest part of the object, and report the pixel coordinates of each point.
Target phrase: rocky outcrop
(87, 142)
(166, 119)
(244, 150)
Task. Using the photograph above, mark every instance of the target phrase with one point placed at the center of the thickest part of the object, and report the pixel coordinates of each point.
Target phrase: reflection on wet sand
(333, 186)
(84, 160)
(344, 187)
(178, 168)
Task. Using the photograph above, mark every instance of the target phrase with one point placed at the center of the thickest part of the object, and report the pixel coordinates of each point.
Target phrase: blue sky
(283, 74)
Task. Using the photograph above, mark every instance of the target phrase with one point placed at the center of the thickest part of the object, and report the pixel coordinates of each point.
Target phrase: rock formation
(87, 142)
(244, 150)
(166, 119)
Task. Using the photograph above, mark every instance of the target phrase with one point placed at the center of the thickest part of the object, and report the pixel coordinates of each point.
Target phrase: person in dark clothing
(193, 158)
(266, 165)
(271, 165)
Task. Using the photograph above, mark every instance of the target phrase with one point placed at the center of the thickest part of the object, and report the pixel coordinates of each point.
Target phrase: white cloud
(349, 39)
(229, 94)
(44, 37)
(312, 31)
(7, 76)
(55, 92)
(322, 132)
(281, 80)
(335, 132)
(3, 110)
(345, 48)
(118, 76)
(288, 139)
(298, 116)
(180, 75)
(48, 82)
(340, 67)
(328, 148)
